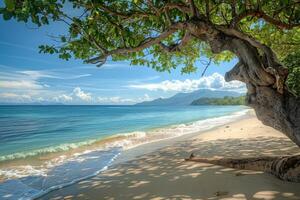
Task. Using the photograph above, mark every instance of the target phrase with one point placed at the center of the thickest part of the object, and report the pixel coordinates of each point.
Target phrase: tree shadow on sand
(164, 174)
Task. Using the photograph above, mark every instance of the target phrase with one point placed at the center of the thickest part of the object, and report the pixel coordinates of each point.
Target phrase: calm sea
(46, 147)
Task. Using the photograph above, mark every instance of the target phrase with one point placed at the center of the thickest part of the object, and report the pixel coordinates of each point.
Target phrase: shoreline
(131, 165)
(119, 140)
(144, 148)
(141, 147)
(101, 139)
(129, 154)
(102, 142)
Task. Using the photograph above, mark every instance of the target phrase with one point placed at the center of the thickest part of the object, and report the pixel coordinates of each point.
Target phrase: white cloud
(114, 100)
(47, 74)
(81, 94)
(77, 96)
(15, 84)
(30, 79)
(63, 98)
(120, 100)
(12, 97)
(20, 84)
(78, 76)
(146, 97)
(40, 99)
(214, 82)
(36, 74)
(23, 81)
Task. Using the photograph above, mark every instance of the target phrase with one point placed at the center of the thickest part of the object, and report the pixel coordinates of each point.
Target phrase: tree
(164, 34)
(167, 34)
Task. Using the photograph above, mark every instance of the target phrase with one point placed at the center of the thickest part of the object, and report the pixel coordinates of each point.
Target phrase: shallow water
(46, 147)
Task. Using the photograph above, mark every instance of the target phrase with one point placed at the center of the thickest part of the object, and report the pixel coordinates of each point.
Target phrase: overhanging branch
(147, 42)
(193, 8)
(176, 47)
(206, 67)
(264, 16)
(123, 15)
(180, 6)
(273, 66)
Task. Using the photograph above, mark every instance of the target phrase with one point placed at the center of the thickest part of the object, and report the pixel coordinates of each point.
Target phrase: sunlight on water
(48, 147)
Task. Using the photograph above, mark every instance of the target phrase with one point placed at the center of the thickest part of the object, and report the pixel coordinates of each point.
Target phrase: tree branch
(176, 47)
(233, 8)
(91, 40)
(180, 6)
(207, 9)
(283, 167)
(262, 15)
(147, 42)
(169, 6)
(150, 3)
(137, 14)
(206, 67)
(273, 66)
(193, 8)
(123, 15)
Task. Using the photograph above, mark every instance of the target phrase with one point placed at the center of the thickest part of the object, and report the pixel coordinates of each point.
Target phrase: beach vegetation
(225, 101)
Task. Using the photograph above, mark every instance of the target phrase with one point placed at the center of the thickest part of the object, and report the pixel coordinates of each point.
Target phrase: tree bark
(265, 78)
(286, 168)
(263, 74)
(278, 110)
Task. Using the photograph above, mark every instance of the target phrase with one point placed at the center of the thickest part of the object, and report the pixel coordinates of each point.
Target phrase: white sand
(162, 173)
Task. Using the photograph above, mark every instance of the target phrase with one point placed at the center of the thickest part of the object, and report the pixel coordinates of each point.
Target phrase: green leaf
(44, 20)
(7, 15)
(63, 39)
(10, 4)
(99, 28)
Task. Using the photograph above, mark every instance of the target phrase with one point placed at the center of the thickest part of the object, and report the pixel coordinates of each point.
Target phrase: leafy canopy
(150, 32)
(292, 62)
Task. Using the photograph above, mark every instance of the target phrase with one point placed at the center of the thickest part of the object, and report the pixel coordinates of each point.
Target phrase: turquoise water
(75, 134)
(29, 128)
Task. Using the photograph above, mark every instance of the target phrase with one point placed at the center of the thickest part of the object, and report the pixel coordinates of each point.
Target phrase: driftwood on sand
(286, 168)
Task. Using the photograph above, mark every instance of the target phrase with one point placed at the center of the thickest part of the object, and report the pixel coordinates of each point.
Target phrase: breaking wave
(31, 181)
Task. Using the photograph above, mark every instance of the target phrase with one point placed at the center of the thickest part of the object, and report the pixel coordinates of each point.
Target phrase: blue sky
(27, 76)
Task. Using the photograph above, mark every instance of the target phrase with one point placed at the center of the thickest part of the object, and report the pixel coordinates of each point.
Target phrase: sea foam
(28, 182)
(58, 148)
(77, 168)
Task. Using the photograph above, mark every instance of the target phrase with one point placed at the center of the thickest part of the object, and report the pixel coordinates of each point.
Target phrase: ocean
(43, 148)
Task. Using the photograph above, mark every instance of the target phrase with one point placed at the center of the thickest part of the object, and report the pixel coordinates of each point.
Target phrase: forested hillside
(220, 101)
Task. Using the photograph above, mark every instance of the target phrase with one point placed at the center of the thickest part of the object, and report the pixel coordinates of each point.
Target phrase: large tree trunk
(265, 78)
(263, 74)
(280, 110)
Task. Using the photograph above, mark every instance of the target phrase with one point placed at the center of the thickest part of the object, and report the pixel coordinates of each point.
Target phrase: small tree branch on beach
(286, 168)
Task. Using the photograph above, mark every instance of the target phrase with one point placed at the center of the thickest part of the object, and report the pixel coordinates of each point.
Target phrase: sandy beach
(158, 171)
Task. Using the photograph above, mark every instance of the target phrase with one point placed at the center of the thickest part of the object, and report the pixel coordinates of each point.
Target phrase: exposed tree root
(286, 168)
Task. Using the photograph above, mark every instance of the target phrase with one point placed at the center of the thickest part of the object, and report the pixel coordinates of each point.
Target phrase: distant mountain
(183, 99)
